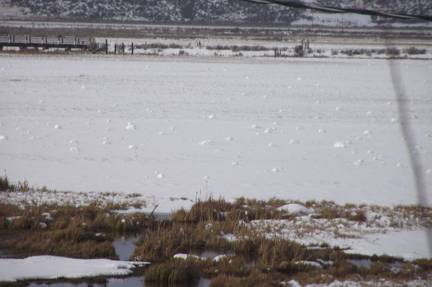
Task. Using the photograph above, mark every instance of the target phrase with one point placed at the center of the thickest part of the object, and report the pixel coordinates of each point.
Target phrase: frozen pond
(289, 128)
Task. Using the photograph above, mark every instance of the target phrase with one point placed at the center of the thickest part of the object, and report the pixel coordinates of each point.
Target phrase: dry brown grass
(69, 242)
(256, 260)
(164, 241)
(92, 217)
(173, 272)
(202, 228)
(64, 230)
(5, 185)
(254, 279)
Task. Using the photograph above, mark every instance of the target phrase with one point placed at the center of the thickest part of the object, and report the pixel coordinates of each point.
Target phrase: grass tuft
(173, 272)
(4, 184)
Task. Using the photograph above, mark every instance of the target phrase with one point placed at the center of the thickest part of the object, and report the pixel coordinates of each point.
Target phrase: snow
(155, 94)
(229, 237)
(407, 244)
(363, 283)
(215, 258)
(294, 208)
(130, 126)
(52, 267)
(219, 257)
(184, 256)
(309, 263)
(339, 144)
(368, 238)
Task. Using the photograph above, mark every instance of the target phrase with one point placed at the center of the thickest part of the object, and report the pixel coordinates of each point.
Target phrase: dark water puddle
(124, 247)
(6, 254)
(365, 263)
(395, 267)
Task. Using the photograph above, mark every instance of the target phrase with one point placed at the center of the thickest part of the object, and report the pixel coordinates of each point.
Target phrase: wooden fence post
(106, 46)
(132, 48)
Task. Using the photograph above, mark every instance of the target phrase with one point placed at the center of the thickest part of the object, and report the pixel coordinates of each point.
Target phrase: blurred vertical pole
(409, 140)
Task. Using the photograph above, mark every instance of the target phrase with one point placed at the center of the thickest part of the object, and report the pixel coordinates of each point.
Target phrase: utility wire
(398, 87)
(340, 10)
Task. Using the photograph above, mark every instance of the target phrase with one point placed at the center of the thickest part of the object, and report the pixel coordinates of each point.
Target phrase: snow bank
(357, 239)
(408, 244)
(52, 267)
(184, 256)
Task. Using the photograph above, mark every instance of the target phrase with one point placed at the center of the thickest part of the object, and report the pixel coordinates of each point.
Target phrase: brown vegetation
(258, 260)
(254, 258)
(64, 230)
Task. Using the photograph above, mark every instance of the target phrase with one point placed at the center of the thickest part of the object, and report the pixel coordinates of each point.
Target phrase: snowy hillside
(202, 11)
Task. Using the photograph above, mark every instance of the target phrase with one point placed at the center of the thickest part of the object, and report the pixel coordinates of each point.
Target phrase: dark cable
(339, 10)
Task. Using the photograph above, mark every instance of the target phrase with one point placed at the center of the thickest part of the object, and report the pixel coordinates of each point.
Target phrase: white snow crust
(52, 267)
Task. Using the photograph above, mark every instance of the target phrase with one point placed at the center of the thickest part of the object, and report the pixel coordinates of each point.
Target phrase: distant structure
(45, 42)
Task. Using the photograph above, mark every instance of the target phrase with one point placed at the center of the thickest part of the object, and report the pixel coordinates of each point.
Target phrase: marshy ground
(237, 243)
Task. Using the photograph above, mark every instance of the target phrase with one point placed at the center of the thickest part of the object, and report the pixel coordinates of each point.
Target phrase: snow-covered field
(186, 127)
